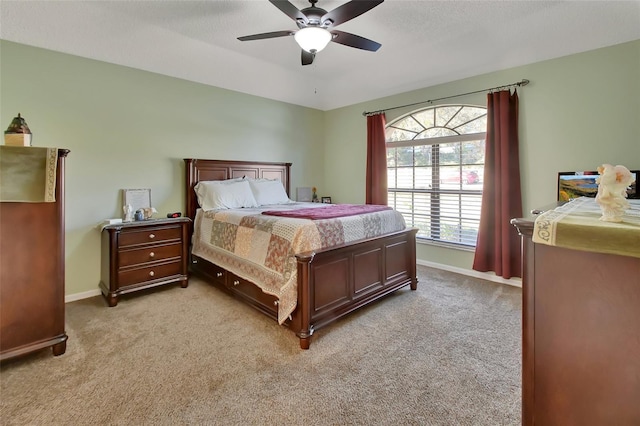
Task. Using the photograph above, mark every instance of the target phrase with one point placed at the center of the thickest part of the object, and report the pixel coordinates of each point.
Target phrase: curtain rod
(523, 82)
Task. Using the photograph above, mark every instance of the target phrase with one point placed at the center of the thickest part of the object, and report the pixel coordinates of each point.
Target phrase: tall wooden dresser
(580, 336)
(32, 312)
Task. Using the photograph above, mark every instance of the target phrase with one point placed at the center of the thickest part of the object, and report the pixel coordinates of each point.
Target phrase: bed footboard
(331, 282)
(337, 281)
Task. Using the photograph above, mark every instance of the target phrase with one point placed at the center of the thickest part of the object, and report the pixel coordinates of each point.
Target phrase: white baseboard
(79, 296)
(516, 282)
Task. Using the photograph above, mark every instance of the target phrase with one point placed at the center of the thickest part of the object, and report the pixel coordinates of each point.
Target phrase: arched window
(435, 165)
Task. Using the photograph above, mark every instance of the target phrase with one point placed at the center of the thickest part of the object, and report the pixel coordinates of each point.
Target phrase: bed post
(304, 302)
(413, 269)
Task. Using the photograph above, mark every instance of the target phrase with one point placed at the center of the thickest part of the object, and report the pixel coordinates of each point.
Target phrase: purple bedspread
(331, 211)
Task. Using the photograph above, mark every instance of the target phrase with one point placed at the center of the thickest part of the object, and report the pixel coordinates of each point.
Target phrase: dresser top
(147, 222)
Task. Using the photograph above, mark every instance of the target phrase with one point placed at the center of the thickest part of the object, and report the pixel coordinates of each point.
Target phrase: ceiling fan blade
(290, 10)
(307, 58)
(349, 11)
(266, 35)
(353, 40)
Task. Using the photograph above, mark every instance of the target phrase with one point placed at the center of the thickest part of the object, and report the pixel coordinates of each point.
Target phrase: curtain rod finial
(524, 82)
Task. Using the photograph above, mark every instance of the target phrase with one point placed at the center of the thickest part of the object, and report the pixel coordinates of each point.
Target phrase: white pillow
(267, 191)
(225, 194)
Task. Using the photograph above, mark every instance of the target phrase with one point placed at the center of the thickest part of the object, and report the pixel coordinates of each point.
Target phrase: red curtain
(498, 247)
(376, 160)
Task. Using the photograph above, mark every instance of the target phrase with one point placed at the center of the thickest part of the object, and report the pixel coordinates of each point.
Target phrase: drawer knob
(236, 282)
(218, 274)
(152, 236)
(151, 273)
(276, 303)
(152, 254)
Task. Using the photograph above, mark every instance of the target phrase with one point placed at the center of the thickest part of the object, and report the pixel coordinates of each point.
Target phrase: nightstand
(144, 254)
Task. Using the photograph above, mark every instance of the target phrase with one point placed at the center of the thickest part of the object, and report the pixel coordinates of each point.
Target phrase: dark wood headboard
(199, 169)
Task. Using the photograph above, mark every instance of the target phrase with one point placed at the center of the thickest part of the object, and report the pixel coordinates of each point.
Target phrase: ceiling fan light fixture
(313, 39)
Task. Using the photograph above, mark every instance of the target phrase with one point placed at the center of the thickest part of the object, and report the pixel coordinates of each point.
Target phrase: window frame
(436, 218)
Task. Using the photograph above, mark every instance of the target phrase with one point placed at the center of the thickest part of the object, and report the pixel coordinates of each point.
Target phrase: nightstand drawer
(146, 236)
(150, 273)
(149, 254)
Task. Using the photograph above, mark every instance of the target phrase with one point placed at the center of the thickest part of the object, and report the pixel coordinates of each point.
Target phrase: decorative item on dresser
(18, 133)
(328, 283)
(32, 251)
(144, 254)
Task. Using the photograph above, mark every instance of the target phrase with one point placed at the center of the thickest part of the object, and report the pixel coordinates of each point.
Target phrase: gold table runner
(28, 174)
(577, 225)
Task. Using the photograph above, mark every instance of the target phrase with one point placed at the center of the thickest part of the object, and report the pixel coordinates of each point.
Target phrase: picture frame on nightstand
(304, 194)
(137, 198)
(326, 200)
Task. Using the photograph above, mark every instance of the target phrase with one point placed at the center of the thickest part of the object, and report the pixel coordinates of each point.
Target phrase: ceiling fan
(316, 27)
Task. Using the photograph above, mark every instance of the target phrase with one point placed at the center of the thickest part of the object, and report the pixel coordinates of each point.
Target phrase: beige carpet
(446, 354)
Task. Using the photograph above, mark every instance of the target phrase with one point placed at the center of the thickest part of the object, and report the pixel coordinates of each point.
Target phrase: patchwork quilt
(262, 248)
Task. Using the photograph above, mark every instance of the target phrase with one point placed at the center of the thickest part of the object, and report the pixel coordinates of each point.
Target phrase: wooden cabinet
(32, 273)
(140, 255)
(581, 328)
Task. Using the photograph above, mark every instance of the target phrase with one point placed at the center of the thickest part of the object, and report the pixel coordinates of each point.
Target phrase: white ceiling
(424, 43)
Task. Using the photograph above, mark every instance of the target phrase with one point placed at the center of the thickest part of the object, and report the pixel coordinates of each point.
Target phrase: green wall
(131, 129)
(128, 128)
(578, 112)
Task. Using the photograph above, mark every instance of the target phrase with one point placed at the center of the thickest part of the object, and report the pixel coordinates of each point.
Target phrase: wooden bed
(331, 282)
